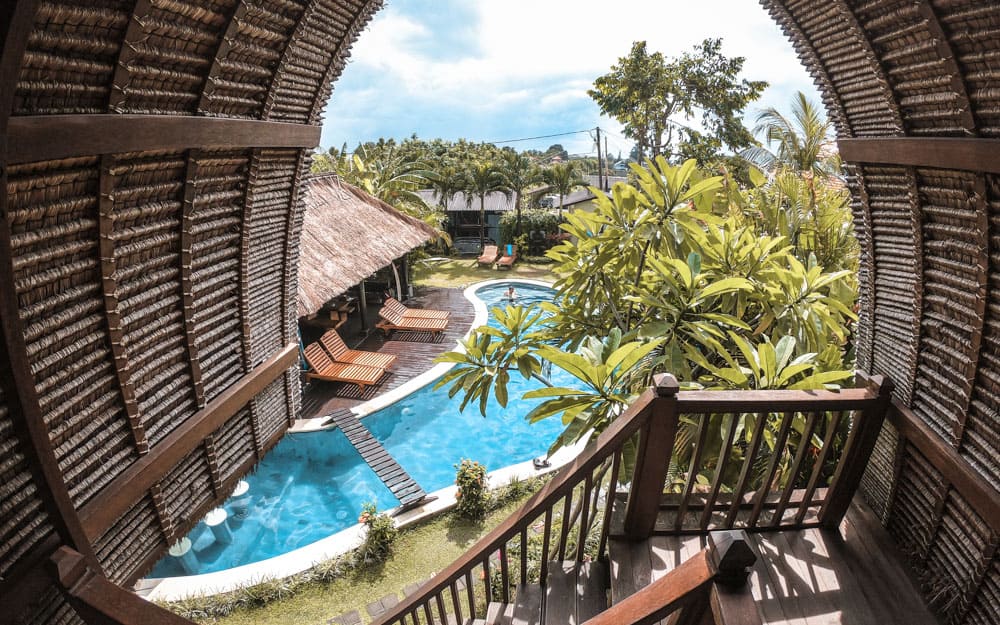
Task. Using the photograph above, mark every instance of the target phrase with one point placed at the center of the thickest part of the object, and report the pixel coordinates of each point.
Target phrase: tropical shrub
(472, 496)
(675, 274)
(543, 222)
(380, 533)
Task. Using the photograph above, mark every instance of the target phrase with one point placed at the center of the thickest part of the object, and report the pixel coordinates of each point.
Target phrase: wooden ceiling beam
(53, 137)
(963, 154)
(947, 56)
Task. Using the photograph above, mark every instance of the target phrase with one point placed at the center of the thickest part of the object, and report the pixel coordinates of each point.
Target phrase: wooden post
(854, 461)
(656, 444)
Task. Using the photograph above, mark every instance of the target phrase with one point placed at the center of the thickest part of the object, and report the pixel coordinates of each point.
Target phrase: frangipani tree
(657, 278)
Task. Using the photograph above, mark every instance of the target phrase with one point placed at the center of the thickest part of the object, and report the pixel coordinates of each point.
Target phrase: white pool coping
(411, 386)
(303, 558)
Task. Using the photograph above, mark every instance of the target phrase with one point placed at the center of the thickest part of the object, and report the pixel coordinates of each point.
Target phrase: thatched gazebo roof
(152, 171)
(346, 236)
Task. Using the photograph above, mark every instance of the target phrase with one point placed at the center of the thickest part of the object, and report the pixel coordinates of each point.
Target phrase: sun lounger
(394, 320)
(323, 368)
(339, 351)
(416, 313)
(507, 260)
(489, 255)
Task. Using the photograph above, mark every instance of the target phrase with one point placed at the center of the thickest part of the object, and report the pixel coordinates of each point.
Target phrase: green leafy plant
(674, 274)
(472, 499)
(380, 533)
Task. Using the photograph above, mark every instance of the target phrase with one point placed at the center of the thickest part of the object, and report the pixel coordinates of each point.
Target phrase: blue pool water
(313, 485)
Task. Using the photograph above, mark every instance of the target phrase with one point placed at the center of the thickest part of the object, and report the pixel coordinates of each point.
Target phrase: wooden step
(499, 614)
(527, 605)
(575, 592)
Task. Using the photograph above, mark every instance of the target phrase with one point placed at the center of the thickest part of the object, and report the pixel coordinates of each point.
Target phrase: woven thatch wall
(147, 265)
(930, 234)
(149, 276)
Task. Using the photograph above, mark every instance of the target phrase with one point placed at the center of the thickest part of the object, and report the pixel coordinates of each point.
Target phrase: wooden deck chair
(393, 320)
(339, 351)
(507, 260)
(489, 255)
(416, 313)
(323, 368)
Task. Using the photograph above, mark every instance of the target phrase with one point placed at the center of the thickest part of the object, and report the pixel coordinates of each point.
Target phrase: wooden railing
(792, 459)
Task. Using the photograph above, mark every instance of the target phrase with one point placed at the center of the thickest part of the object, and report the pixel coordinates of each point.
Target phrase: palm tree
(447, 182)
(562, 177)
(388, 175)
(482, 179)
(803, 142)
(519, 172)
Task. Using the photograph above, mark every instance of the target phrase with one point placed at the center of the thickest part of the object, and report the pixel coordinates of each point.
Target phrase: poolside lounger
(340, 353)
(507, 260)
(415, 313)
(394, 320)
(489, 255)
(323, 368)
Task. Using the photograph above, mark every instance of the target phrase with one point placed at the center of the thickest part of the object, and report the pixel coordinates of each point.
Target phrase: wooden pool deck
(415, 351)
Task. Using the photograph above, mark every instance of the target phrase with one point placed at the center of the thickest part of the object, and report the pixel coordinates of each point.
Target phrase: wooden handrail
(655, 417)
(707, 402)
(99, 601)
(714, 577)
(608, 442)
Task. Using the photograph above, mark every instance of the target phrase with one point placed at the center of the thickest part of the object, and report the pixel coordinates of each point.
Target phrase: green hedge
(544, 222)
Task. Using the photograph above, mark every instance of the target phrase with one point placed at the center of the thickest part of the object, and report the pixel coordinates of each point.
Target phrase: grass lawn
(458, 273)
(418, 552)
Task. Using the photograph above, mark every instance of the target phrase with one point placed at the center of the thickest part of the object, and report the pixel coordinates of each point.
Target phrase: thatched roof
(348, 235)
(153, 159)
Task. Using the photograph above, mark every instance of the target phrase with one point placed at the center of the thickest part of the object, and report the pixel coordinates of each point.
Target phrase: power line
(561, 134)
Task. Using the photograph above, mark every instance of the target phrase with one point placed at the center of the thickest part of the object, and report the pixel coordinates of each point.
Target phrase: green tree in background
(647, 93)
(563, 178)
(482, 179)
(801, 141)
(519, 172)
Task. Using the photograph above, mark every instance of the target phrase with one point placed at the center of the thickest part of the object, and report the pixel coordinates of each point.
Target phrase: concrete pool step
(396, 479)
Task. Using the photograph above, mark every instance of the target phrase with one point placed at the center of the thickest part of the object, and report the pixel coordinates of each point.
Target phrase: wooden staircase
(762, 541)
(573, 593)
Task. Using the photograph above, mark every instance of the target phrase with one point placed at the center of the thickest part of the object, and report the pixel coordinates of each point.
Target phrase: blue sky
(492, 70)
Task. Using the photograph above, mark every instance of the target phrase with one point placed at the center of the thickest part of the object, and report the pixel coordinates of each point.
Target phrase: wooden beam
(16, 23)
(50, 137)
(187, 284)
(221, 52)
(968, 154)
(972, 485)
(112, 313)
(122, 492)
(23, 406)
(99, 601)
(123, 74)
(946, 56)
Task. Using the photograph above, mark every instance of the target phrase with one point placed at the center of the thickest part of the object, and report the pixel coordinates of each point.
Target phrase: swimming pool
(312, 485)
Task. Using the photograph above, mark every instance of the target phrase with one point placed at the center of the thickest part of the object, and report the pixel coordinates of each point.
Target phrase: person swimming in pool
(511, 294)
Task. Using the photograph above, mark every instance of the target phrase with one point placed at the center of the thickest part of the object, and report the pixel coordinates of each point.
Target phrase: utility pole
(600, 169)
(607, 179)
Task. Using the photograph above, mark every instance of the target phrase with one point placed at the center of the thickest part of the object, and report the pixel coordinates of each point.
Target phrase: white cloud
(535, 56)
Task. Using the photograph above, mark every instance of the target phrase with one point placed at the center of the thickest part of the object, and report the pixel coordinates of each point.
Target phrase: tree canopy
(647, 93)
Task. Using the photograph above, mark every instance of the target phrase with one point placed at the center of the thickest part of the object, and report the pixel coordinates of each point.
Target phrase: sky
(496, 70)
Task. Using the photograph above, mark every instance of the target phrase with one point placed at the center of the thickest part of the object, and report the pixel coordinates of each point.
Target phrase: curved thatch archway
(153, 155)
